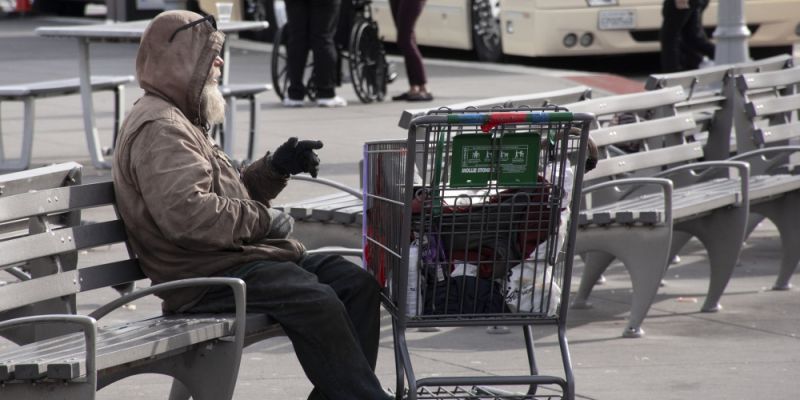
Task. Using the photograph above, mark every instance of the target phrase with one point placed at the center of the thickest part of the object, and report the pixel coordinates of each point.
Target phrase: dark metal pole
(731, 33)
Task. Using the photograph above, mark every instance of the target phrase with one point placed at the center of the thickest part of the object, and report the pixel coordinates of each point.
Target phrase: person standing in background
(405, 14)
(683, 41)
(312, 26)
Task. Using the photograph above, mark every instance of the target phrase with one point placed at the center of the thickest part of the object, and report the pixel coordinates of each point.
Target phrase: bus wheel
(486, 30)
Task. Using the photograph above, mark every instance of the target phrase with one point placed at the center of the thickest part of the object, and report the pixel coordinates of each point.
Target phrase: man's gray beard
(212, 104)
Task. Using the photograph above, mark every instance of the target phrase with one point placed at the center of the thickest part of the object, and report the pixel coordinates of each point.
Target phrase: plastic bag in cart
(530, 288)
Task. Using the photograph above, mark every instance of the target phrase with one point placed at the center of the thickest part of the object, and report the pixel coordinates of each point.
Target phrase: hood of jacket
(176, 70)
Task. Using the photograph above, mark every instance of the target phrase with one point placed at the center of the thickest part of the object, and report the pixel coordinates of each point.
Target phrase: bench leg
(645, 254)
(119, 113)
(722, 234)
(784, 213)
(24, 160)
(255, 110)
(207, 372)
(229, 127)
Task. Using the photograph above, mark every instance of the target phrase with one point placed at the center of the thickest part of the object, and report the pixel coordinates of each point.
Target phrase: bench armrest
(664, 184)
(236, 284)
(688, 174)
(88, 326)
(765, 161)
(327, 182)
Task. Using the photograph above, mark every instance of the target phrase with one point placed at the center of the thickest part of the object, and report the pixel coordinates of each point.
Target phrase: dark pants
(312, 26)
(405, 14)
(329, 308)
(683, 40)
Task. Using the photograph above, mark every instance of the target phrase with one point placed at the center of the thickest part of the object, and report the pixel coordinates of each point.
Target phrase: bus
(545, 28)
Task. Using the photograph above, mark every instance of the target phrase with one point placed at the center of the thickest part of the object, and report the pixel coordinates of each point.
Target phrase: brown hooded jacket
(187, 211)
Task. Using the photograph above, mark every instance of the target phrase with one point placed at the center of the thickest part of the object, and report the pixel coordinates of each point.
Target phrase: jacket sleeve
(175, 180)
(262, 182)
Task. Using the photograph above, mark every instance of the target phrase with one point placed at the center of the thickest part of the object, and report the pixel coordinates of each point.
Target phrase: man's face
(212, 104)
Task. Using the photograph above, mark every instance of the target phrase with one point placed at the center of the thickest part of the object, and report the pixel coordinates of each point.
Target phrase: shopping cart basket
(471, 221)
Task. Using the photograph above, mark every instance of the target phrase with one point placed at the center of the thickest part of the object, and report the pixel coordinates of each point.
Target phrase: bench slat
(776, 133)
(152, 338)
(642, 130)
(42, 178)
(39, 289)
(326, 212)
(56, 200)
(764, 187)
(61, 241)
(769, 106)
(630, 102)
(60, 87)
(115, 273)
(646, 159)
(760, 80)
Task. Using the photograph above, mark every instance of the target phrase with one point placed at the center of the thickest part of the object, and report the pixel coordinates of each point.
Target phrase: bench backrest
(712, 99)
(539, 99)
(771, 102)
(48, 245)
(653, 138)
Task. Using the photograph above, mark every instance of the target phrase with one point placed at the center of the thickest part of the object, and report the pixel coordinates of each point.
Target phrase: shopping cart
(471, 221)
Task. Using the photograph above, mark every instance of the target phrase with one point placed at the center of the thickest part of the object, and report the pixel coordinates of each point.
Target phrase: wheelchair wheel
(368, 67)
(280, 66)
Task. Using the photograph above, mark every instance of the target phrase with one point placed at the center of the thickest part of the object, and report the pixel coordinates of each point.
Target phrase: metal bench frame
(670, 196)
(202, 352)
(769, 131)
(28, 93)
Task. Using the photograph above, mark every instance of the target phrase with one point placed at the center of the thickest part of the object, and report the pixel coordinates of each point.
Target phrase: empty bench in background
(30, 92)
(636, 201)
(711, 98)
(768, 138)
(202, 352)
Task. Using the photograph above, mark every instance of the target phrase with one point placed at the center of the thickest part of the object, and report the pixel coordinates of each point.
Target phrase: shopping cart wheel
(280, 66)
(368, 67)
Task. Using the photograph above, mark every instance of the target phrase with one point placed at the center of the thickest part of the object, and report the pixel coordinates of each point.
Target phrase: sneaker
(334, 101)
(294, 103)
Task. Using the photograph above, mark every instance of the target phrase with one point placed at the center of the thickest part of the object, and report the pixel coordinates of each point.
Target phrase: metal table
(126, 32)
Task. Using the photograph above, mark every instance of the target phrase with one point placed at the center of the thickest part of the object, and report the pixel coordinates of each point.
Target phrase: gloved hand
(281, 224)
(294, 157)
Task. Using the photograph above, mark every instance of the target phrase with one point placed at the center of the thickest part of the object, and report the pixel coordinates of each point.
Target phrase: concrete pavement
(750, 349)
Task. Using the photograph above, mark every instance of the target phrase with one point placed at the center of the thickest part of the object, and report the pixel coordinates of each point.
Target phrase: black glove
(281, 224)
(294, 157)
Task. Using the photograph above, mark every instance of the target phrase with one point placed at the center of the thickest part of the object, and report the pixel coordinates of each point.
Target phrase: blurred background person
(312, 26)
(405, 14)
(684, 43)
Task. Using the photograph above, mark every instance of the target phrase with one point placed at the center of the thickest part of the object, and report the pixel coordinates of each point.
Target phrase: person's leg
(316, 322)
(406, 15)
(694, 36)
(322, 28)
(670, 36)
(297, 15)
(359, 292)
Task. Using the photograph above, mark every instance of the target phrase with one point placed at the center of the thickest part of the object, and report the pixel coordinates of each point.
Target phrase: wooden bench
(336, 219)
(201, 352)
(768, 138)
(28, 93)
(636, 202)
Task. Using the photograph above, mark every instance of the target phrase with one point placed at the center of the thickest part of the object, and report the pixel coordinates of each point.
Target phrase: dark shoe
(421, 96)
(400, 97)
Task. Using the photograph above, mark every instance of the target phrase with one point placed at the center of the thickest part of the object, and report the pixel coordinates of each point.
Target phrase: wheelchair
(358, 43)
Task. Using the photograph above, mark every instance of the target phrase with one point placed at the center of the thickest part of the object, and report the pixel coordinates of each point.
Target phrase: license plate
(616, 19)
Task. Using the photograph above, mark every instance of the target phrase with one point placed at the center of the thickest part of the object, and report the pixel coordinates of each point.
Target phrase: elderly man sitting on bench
(189, 213)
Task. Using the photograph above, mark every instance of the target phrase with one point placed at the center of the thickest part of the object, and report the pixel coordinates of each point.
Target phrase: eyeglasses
(209, 18)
